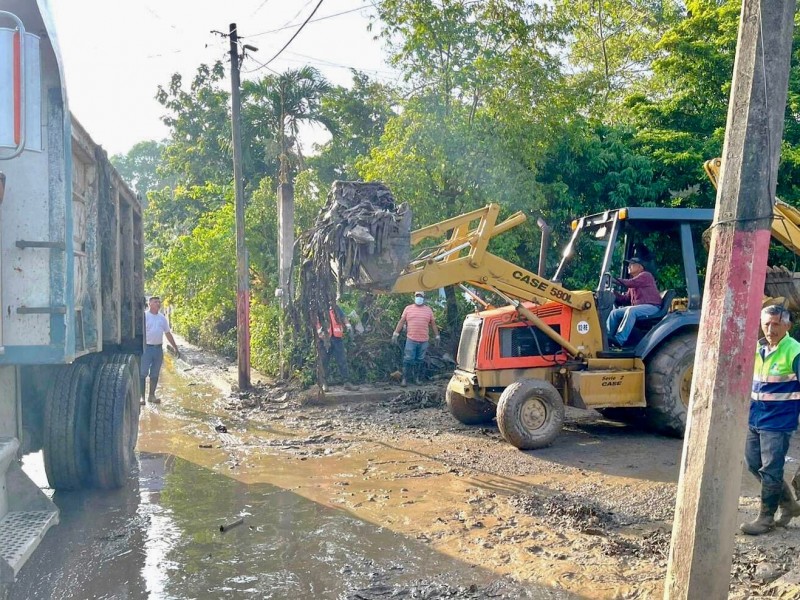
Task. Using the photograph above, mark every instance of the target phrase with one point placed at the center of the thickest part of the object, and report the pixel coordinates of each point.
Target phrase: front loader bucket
(362, 235)
(379, 269)
(783, 285)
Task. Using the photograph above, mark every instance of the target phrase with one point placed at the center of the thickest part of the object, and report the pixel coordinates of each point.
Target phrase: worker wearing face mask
(417, 318)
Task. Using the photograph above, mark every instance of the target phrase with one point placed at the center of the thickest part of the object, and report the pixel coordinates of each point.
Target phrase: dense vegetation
(557, 108)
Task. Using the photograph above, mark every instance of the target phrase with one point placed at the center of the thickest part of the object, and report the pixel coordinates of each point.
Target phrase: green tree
(357, 118)
(141, 167)
(199, 148)
(611, 45)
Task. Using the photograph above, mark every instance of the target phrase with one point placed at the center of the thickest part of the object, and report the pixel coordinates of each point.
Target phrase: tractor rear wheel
(668, 383)
(114, 423)
(530, 414)
(66, 427)
(470, 411)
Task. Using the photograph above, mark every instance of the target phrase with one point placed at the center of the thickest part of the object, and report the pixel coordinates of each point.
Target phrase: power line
(260, 6)
(290, 26)
(291, 39)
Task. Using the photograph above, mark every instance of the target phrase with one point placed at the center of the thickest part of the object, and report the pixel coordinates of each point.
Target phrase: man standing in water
(156, 327)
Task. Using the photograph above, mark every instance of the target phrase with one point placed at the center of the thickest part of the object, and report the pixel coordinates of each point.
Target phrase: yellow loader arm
(786, 218)
(463, 258)
(782, 286)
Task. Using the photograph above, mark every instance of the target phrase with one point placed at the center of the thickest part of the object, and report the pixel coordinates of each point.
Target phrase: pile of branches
(360, 238)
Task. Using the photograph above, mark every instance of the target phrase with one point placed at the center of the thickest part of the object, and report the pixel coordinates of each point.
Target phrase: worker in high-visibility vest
(337, 324)
(774, 410)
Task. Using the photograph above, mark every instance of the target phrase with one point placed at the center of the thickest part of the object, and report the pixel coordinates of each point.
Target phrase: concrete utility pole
(285, 253)
(706, 512)
(242, 269)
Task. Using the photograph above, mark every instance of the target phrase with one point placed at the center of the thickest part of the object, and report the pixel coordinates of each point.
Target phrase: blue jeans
(621, 320)
(413, 355)
(765, 455)
(152, 357)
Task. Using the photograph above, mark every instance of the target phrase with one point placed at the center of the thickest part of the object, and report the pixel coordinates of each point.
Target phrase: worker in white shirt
(156, 327)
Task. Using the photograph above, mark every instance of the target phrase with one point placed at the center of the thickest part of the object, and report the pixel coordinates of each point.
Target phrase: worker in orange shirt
(417, 318)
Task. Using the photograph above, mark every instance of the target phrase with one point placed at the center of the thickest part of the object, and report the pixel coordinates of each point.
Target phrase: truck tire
(66, 428)
(470, 411)
(530, 414)
(668, 382)
(114, 423)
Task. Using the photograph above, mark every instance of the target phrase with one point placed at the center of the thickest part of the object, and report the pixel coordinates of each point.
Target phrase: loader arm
(786, 218)
(463, 258)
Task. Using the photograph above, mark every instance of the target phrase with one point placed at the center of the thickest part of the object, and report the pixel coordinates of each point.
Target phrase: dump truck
(71, 287)
(548, 347)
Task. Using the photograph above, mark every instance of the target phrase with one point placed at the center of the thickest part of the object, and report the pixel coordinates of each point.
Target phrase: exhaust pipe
(546, 229)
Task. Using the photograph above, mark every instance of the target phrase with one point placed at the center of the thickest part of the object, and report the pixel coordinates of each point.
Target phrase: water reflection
(159, 538)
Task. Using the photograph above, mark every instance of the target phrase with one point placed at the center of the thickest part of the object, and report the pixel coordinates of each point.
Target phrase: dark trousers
(765, 455)
(336, 351)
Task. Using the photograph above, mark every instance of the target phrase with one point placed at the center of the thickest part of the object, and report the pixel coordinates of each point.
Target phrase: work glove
(395, 337)
(349, 327)
(438, 339)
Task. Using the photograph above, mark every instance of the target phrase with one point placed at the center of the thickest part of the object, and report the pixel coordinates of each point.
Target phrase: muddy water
(159, 537)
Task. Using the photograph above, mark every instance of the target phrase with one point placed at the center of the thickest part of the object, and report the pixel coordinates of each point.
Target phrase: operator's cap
(419, 294)
(634, 261)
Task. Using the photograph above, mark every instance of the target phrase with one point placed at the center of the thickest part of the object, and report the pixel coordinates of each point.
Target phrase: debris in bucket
(361, 238)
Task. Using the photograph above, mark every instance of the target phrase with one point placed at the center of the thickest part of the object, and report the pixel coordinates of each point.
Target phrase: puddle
(159, 536)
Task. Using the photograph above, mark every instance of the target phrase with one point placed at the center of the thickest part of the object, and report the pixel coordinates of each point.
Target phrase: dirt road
(380, 500)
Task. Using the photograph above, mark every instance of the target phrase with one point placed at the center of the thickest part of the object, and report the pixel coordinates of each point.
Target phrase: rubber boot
(789, 507)
(763, 524)
(417, 370)
(765, 521)
(406, 370)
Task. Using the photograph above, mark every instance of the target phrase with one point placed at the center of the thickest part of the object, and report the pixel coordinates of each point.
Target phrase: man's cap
(635, 261)
(419, 294)
(154, 298)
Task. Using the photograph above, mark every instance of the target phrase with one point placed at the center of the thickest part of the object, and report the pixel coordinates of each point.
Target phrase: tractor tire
(668, 382)
(530, 414)
(66, 428)
(114, 423)
(469, 411)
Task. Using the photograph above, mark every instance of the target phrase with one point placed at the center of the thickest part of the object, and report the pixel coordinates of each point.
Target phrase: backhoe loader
(522, 363)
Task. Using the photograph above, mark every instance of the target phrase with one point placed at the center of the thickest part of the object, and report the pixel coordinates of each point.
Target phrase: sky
(117, 53)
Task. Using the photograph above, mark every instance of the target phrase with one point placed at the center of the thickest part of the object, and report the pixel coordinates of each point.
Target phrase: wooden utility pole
(706, 512)
(242, 270)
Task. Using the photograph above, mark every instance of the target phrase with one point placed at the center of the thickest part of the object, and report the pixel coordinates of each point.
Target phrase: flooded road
(159, 537)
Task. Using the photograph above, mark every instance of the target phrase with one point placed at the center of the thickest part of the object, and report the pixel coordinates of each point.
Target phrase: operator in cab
(642, 299)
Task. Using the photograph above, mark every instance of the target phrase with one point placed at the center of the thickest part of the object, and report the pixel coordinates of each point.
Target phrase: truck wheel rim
(686, 386)
(533, 414)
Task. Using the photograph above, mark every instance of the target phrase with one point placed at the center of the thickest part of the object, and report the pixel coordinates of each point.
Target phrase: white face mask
(419, 300)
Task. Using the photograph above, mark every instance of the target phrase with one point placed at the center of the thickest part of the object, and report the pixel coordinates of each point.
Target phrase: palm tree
(278, 104)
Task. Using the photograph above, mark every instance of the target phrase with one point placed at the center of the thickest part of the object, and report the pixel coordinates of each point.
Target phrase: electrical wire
(260, 6)
(290, 26)
(291, 39)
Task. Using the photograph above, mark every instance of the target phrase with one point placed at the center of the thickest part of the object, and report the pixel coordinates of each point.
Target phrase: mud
(592, 514)
(389, 499)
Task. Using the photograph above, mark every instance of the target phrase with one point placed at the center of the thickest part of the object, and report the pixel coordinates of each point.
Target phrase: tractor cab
(663, 239)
